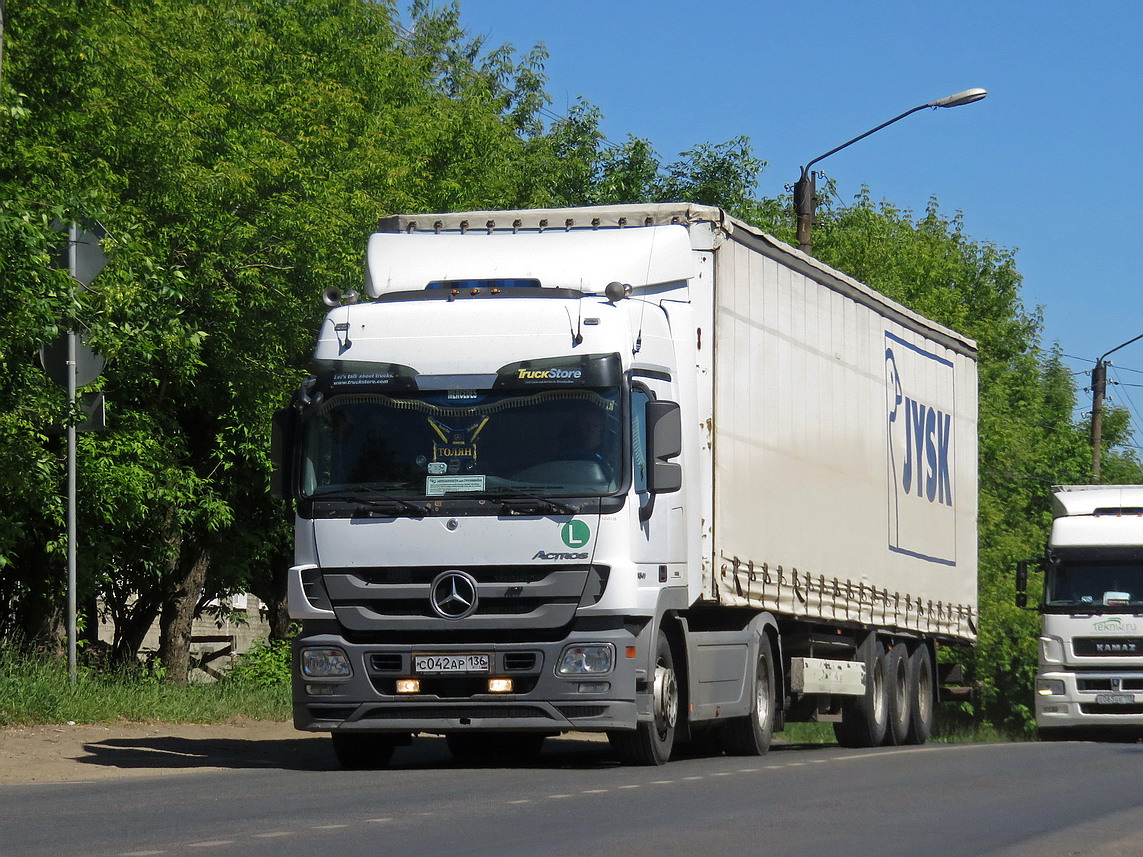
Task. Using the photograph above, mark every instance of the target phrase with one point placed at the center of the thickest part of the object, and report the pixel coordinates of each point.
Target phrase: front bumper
(1092, 699)
(541, 701)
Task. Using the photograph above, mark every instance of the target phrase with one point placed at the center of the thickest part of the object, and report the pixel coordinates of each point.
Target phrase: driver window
(640, 396)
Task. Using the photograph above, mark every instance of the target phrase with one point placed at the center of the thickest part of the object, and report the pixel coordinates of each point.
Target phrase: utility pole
(1098, 391)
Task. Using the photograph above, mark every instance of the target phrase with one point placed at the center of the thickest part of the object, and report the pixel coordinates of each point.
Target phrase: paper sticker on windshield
(435, 486)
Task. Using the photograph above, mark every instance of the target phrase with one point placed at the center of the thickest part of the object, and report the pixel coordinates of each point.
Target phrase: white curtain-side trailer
(641, 470)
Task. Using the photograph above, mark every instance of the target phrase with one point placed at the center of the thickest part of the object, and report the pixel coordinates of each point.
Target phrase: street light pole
(805, 200)
(1098, 390)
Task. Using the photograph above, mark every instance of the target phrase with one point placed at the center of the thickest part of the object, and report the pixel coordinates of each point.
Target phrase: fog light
(594, 686)
(325, 663)
(319, 689)
(408, 685)
(588, 659)
(500, 685)
(1049, 687)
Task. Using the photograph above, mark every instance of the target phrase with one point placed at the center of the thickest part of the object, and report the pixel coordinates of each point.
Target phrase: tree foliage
(239, 152)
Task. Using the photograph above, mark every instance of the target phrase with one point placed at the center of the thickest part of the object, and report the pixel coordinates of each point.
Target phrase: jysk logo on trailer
(920, 399)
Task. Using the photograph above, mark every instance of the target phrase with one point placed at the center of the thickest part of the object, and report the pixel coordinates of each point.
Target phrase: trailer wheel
(651, 741)
(864, 718)
(898, 695)
(363, 751)
(922, 696)
(751, 735)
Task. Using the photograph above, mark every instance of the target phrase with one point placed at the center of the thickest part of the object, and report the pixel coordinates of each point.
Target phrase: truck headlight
(586, 659)
(325, 663)
(1049, 687)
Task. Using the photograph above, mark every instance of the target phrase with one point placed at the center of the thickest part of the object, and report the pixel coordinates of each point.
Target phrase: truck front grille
(1108, 647)
(1098, 685)
(508, 598)
(1092, 708)
(454, 712)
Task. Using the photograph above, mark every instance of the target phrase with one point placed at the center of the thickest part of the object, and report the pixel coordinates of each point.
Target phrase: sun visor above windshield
(583, 259)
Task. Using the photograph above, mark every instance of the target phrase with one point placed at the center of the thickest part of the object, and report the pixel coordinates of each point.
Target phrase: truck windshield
(1094, 584)
(427, 444)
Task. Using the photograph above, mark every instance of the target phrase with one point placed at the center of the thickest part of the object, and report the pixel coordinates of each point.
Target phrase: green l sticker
(575, 534)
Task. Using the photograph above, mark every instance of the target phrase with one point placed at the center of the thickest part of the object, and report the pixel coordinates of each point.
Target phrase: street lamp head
(959, 98)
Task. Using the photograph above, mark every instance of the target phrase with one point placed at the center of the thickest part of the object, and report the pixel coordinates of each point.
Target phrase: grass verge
(35, 689)
(945, 733)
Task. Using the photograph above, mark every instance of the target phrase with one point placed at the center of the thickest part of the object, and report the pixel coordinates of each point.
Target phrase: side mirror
(1022, 567)
(664, 440)
(282, 433)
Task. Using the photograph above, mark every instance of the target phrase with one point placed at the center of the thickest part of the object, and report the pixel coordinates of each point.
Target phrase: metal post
(71, 513)
(72, 535)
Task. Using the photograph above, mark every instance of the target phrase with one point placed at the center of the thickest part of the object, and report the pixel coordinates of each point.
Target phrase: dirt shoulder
(85, 752)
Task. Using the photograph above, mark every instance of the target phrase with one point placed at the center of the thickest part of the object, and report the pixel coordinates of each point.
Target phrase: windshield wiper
(375, 498)
(521, 503)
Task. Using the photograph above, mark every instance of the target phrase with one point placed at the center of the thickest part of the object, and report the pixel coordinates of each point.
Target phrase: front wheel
(751, 735)
(652, 741)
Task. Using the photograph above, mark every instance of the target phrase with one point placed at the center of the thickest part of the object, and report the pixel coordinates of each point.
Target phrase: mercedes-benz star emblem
(453, 595)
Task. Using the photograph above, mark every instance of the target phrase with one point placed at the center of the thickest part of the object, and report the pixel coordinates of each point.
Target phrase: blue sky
(1048, 165)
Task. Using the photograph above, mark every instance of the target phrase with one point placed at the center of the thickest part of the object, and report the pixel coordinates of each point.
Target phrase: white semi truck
(1090, 676)
(640, 470)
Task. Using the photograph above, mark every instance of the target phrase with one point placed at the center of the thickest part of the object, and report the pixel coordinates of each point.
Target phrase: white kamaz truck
(1090, 676)
(639, 470)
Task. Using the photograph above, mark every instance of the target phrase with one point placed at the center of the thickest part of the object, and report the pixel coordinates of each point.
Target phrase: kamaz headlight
(586, 659)
(1049, 687)
(325, 663)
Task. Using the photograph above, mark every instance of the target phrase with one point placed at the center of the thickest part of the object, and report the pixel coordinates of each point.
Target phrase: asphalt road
(1001, 800)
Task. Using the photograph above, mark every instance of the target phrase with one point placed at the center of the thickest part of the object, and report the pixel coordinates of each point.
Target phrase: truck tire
(864, 719)
(898, 695)
(751, 735)
(363, 751)
(922, 696)
(651, 741)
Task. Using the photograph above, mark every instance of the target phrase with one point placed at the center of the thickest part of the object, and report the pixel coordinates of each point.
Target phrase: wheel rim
(878, 688)
(762, 698)
(924, 693)
(666, 699)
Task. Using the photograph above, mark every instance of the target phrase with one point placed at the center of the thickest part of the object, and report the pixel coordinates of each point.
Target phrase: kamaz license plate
(1115, 699)
(467, 662)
